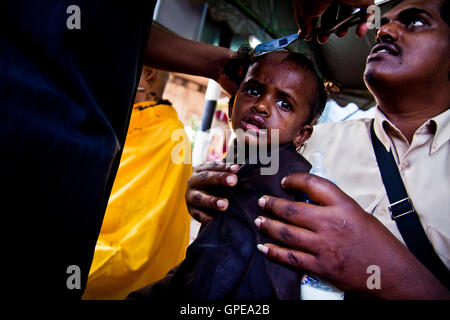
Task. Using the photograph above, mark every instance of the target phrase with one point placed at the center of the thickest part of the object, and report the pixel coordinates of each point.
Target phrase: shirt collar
(442, 135)
(381, 124)
(383, 128)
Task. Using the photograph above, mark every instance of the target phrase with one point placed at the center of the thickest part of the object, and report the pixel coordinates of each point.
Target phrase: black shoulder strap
(403, 213)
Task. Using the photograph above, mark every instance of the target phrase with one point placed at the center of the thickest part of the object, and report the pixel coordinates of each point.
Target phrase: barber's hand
(176, 54)
(306, 10)
(206, 176)
(338, 241)
(226, 83)
(230, 72)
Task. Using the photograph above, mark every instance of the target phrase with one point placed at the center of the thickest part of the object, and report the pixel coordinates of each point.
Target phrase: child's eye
(283, 104)
(253, 92)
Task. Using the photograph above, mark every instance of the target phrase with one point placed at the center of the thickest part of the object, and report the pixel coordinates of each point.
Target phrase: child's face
(275, 94)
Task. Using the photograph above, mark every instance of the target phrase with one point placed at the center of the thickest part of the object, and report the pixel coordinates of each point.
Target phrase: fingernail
(234, 168)
(222, 204)
(262, 202)
(231, 180)
(262, 248)
(283, 181)
(258, 222)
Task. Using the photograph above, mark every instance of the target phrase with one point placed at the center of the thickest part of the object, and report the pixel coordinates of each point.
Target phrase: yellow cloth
(145, 231)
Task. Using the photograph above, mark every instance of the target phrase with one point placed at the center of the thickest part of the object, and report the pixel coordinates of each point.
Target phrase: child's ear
(304, 134)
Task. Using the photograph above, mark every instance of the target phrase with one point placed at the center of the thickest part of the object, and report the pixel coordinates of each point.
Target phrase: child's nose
(262, 108)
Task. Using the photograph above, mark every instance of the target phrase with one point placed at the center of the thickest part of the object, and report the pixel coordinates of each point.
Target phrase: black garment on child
(223, 262)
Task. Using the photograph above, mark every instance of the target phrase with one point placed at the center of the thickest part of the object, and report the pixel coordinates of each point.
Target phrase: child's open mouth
(253, 123)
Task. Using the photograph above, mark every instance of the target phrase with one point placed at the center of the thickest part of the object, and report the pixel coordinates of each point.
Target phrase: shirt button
(382, 212)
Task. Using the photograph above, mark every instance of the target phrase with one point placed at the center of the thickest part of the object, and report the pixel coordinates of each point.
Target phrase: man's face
(412, 46)
(275, 94)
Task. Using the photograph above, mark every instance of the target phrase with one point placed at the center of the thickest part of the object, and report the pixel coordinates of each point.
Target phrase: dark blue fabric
(65, 101)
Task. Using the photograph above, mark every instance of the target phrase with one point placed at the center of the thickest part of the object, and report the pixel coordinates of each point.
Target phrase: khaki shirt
(424, 166)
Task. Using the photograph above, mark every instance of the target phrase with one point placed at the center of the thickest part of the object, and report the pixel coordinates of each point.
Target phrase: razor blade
(275, 44)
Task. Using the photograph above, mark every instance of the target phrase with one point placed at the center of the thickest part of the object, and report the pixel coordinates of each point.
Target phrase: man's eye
(284, 105)
(253, 92)
(415, 22)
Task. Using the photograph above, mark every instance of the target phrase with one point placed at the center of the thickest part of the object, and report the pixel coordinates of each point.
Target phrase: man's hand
(337, 240)
(305, 11)
(206, 176)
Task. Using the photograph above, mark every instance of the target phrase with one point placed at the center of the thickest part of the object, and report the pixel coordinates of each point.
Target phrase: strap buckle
(401, 208)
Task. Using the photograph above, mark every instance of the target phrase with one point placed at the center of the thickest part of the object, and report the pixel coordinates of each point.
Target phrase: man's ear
(304, 134)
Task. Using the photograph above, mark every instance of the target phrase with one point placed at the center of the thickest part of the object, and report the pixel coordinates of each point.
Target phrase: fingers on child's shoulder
(296, 259)
(200, 199)
(319, 190)
(207, 179)
(298, 213)
(302, 180)
(217, 166)
(199, 215)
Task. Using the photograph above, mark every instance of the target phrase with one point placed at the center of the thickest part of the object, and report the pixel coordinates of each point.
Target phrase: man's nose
(388, 32)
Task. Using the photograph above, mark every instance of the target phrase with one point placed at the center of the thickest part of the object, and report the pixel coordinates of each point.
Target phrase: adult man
(407, 71)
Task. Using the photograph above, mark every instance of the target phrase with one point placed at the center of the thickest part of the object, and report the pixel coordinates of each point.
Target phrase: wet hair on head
(236, 69)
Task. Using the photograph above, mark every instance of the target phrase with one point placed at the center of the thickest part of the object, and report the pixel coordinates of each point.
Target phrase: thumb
(318, 189)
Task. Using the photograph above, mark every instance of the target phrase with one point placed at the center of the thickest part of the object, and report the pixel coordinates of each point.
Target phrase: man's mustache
(388, 45)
